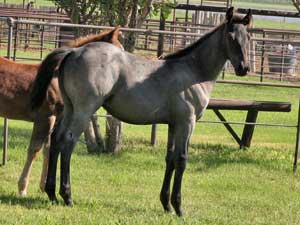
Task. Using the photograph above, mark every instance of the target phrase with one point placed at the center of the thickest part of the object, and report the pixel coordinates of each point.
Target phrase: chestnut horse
(16, 80)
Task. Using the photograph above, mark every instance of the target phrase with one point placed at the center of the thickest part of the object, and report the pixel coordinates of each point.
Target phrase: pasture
(222, 184)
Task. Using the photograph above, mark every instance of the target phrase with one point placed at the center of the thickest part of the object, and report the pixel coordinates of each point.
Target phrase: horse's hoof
(178, 211)
(22, 187)
(164, 199)
(53, 198)
(23, 193)
(177, 208)
(68, 201)
(167, 208)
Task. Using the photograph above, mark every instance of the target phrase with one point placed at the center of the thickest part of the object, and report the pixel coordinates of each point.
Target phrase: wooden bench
(253, 107)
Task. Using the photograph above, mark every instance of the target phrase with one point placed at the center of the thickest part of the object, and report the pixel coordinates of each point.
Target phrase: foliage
(296, 3)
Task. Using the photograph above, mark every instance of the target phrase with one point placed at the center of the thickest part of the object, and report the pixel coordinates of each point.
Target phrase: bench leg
(5, 141)
(228, 127)
(153, 134)
(249, 129)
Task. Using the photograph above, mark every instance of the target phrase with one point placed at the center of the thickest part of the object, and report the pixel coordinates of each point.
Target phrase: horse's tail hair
(44, 76)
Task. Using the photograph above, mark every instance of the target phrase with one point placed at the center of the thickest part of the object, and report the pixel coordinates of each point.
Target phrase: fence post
(10, 23)
(262, 64)
(42, 29)
(297, 141)
(282, 58)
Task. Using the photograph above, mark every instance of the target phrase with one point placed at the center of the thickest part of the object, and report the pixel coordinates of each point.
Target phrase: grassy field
(222, 184)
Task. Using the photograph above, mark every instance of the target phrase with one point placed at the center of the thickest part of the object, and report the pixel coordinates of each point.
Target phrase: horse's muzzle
(242, 70)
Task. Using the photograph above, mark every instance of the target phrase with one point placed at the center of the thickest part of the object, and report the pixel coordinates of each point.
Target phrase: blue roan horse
(173, 91)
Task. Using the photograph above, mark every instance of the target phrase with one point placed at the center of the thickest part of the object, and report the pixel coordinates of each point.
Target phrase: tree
(296, 3)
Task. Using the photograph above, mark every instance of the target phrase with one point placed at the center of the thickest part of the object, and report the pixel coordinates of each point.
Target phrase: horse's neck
(209, 57)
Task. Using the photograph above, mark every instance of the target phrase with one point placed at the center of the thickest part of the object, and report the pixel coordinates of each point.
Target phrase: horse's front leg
(182, 135)
(165, 190)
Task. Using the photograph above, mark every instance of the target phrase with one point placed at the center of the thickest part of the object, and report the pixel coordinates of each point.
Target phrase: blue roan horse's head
(237, 41)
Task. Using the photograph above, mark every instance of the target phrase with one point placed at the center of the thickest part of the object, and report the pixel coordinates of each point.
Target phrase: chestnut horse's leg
(182, 135)
(46, 153)
(39, 134)
(165, 190)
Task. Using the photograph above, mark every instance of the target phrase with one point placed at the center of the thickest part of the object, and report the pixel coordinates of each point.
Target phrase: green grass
(222, 184)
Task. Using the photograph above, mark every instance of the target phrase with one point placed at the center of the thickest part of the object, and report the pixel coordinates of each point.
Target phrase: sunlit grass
(222, 184)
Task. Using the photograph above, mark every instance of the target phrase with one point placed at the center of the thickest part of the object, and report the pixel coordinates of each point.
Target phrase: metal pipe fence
(273, 53)
(45, 36)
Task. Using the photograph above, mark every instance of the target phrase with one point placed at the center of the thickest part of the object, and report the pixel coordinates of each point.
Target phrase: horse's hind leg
(52, 163)
(67, 142)
(46, 153)
(38, 137)
(165, 190)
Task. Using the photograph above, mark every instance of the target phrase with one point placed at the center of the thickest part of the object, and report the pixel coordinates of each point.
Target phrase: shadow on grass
(27, 202)
(211, 156)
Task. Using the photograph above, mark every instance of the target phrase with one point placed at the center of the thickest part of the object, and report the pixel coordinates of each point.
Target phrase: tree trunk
(93, 139)
(113, 135)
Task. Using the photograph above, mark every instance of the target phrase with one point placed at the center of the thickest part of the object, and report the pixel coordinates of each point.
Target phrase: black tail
(45, 75)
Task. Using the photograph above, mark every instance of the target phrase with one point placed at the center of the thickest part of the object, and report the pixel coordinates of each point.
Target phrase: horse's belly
(136, 112)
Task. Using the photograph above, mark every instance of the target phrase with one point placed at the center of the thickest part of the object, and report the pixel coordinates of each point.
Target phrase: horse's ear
(116, 32)
(229, 14)
(248, 19)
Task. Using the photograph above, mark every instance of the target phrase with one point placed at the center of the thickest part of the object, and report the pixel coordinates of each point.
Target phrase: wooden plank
(248, 129)
(226, 104)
